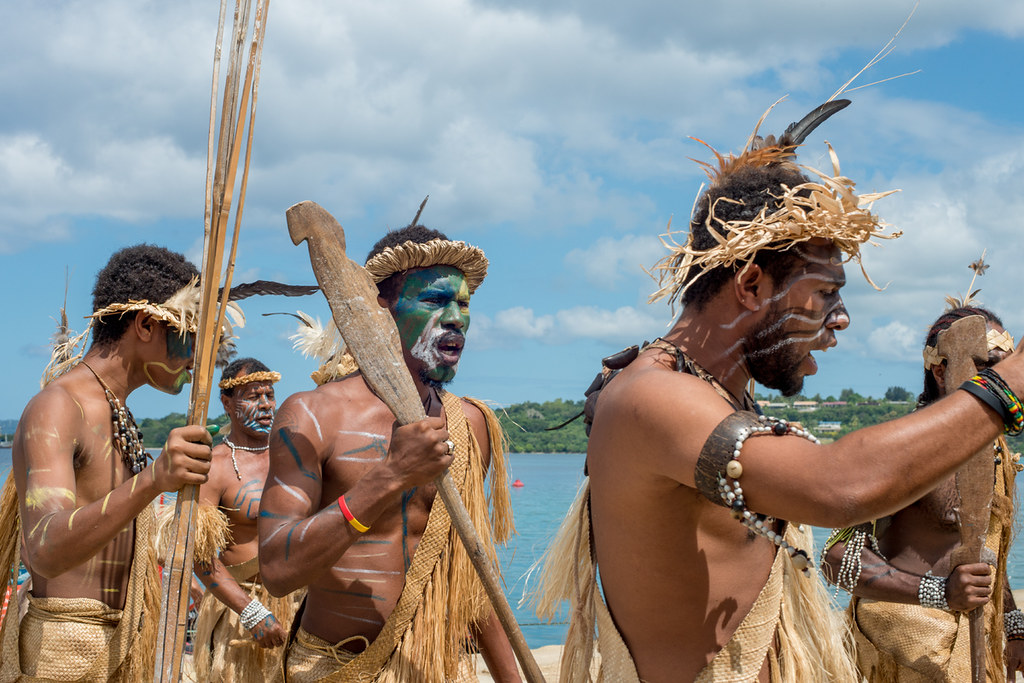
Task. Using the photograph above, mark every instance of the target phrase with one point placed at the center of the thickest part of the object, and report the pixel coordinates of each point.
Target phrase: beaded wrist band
(990, 388)
(356, 524)
(1013, 625)
(932, 592)
(252, 614)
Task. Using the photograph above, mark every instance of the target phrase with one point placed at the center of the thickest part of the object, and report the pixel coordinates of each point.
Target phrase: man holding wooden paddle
(81, 487)
(912, 596)
(350, 510)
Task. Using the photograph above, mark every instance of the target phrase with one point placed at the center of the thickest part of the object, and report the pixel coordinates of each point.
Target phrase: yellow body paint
(37, 496)
(106, 499)
(71, 519)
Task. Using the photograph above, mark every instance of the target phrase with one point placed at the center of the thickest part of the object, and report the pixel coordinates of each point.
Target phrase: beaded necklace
(251, 449)
(127, 436)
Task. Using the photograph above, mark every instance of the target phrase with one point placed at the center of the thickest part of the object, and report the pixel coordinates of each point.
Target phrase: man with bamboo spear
(77, 503)
(349, 509)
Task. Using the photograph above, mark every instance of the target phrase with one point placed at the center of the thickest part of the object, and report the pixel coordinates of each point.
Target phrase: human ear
(144, 326)
(752, 287)
(939, 373)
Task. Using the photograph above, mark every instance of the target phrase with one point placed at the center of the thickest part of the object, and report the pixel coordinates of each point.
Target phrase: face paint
(180, 376)
(432, 314)
(254, 407)
(778, 348)
(180, 348)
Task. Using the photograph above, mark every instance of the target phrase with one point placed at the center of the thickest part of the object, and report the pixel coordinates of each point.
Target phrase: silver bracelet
(1013, 624)
(932, 592)
(252, 614)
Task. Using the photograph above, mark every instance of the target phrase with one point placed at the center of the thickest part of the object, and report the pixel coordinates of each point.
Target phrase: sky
(555, 135)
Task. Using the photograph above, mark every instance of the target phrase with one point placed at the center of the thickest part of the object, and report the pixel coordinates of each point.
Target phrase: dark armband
(718, 471)
(719, 450)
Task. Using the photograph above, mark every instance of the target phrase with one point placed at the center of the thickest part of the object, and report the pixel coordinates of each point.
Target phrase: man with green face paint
(349, 507)
(81, 486)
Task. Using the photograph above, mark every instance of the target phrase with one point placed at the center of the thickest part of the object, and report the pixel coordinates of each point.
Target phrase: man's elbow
(277, 580)
(47, 563)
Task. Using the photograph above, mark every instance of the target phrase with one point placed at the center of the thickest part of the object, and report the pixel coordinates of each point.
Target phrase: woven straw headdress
(825, 207)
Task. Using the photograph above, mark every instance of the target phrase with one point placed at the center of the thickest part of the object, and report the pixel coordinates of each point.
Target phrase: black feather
(798, 131)
(270, 288)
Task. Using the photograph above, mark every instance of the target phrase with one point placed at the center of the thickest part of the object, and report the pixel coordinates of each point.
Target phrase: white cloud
(623, 325)
(895, 341)
(609, 259)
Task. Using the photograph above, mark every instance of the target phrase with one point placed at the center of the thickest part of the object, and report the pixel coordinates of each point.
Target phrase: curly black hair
(242, 366)
(931, 387)
(135, 273)
(391, 286)
(748, 190)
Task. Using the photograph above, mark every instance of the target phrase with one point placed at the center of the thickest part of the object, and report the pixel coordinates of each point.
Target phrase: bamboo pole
(220, 182)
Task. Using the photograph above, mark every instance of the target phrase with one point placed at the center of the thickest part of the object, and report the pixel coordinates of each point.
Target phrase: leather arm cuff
(718, 451)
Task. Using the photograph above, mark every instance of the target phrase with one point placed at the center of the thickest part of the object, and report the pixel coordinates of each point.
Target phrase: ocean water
(549, 485)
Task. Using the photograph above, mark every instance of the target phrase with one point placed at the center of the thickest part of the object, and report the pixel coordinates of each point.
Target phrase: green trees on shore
(526, 424)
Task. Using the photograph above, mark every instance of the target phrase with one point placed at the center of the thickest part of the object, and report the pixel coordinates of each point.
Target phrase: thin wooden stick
(178, 571)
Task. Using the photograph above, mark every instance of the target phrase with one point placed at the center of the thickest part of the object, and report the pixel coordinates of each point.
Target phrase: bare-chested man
(240, 626)
(84, 486)
(689, 487)
(349, 509)
(924, 636)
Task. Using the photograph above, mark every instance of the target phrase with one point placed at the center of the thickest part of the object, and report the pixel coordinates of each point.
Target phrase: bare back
(679, 573)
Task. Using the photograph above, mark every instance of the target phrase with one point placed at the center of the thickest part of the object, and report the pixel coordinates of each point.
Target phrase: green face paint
(179, 356)
(432, 314)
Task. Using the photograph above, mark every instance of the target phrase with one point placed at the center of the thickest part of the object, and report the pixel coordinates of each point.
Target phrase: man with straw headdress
(79, 496)
(910, 604)
(350, 511)
(240, 627)
(693, 497)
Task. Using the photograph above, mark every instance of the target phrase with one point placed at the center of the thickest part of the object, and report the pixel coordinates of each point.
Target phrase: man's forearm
(222, 585)
(294, 552)
(66, 538)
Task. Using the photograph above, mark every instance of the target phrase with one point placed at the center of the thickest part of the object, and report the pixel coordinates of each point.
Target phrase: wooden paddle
(962, 345)
(372, 338)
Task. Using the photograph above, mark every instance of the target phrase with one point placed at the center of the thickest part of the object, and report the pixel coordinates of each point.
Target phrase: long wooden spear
(220, 183)
(371, 336)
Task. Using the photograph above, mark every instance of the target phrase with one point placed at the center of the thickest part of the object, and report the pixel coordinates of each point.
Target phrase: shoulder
(60, 403)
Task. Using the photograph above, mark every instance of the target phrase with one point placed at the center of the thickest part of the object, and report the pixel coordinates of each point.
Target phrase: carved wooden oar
(372, 338)
(962, 345)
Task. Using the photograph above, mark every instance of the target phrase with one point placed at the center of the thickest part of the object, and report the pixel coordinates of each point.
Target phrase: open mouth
(449, 347)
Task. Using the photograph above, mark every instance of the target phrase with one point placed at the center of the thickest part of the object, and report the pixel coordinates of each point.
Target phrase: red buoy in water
(518, 484)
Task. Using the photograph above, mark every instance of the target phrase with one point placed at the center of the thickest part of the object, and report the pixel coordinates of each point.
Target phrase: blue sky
(554, 135)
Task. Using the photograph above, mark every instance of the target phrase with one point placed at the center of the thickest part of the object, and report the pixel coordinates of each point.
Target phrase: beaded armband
(718, 471)
(718, 451)
(1013, 624)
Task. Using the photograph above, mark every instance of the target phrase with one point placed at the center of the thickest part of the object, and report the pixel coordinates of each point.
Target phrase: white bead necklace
(251, 449)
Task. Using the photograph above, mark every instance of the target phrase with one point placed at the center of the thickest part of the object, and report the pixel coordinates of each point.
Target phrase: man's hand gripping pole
(372, 338)
(963, 344)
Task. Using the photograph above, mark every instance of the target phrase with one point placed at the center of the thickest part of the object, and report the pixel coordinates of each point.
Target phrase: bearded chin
(769, 372)
(434, 383)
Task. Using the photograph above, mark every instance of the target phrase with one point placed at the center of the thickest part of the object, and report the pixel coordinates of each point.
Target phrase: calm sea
(550, 483)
